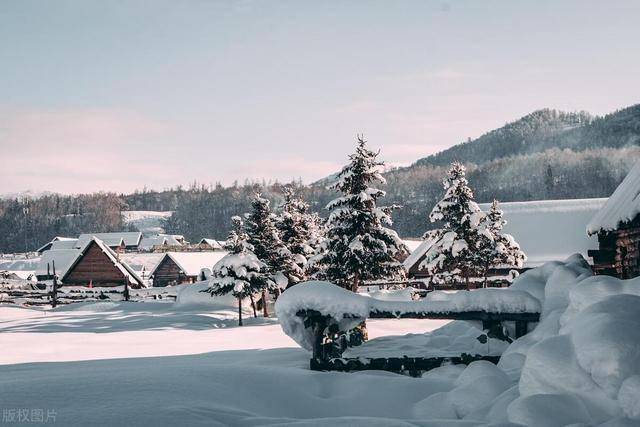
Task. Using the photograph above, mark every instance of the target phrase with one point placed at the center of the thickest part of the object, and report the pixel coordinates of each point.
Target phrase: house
(177, 268)
(547, 230)
(121, 240)
(59, 242)
(158, 241)
(210, 244)
(617, 226)
(97, 264)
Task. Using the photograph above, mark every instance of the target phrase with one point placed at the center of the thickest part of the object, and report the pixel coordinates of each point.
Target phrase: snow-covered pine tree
(269, 248)
(453, 254)
(495, 247)
(300, 230)
(359, 247)
(240, 272)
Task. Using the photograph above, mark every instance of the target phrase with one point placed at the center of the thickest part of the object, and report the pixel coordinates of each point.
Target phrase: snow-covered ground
(186, 363)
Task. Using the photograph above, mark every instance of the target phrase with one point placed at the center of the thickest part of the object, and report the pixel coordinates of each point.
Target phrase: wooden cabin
(178, 268)
(210, 244)
(617, 226)
(547, 230)
(118, 241)
(98, 265)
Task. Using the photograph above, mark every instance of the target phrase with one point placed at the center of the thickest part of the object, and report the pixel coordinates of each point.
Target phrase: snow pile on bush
(580, 365)
(333, 301)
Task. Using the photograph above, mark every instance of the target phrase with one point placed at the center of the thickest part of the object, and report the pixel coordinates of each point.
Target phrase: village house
(177, 268)
(97, 264)
(58, 242)
(210, 244)
(548, 230)
(118, 241)
(617, 226)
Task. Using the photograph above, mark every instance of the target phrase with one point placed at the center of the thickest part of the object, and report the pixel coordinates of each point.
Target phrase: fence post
(54, 288)
(126, 289)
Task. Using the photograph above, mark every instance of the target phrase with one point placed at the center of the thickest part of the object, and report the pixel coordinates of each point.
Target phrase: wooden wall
(96, 267)
(168, 273)
(618, 252)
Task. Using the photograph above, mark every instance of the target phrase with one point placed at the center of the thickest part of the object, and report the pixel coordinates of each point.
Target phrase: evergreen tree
(497, 248)
(269, 248)
(359, 247)
(453, 255)
(300, 230)
(240, 272)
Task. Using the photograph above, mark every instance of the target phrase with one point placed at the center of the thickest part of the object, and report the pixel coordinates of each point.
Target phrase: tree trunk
(466, 281)
(253, 306)
(239, 311)
(356, 283)
(265, 311)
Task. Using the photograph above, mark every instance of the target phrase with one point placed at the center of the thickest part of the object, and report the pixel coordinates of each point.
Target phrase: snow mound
(579, 365)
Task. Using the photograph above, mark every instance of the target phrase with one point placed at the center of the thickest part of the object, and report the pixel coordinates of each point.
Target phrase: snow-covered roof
(211, 242)
(63, 259)
(64, 244)
(547, 230)
(550, 230)
(49, 244)
(192, 262)
(623, 205)
(412, 244)
(130, 238)
(122, 266)
(148, 242)
(140, 261)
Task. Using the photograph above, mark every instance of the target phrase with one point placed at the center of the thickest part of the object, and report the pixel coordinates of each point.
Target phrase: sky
(120, 95)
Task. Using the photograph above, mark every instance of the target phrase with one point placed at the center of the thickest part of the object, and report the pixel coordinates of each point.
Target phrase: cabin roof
(211, 242)
(139, 261)
(63, 259)
(623, 205)
(130, 238)
(148, 242)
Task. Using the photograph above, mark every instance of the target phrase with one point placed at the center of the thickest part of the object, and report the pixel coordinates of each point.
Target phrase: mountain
(543, 130)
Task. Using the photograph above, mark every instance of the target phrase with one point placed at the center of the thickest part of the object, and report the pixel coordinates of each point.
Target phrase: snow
(334, 301)
(186, 363)
(141, 261)
(148, 222)
(623, 205)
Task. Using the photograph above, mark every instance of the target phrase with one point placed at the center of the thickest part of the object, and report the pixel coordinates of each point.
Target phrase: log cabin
(548, 230)
(617, 226)
(97, 264)
(178, 268)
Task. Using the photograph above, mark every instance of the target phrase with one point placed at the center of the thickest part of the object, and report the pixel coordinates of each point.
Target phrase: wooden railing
(329, 343)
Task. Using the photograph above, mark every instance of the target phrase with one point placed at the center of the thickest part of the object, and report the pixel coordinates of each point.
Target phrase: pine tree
(359, 247)
(453, 254)
(269, 248)
(497, 248)
(300, 230)
(240, 272)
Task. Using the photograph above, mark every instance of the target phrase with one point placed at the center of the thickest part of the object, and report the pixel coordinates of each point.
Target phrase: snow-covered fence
(71, 294)
(319, 316)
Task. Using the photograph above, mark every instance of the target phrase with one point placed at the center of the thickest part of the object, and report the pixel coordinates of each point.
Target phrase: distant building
(177, 268)
(121, 240)
(617, 226)
(211, 244)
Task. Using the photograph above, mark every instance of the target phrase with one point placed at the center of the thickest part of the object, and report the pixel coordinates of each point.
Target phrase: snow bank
(333, 301)
(580, 365)
(192, 296)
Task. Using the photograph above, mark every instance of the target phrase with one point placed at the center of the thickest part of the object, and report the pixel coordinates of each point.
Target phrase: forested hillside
(544, 155)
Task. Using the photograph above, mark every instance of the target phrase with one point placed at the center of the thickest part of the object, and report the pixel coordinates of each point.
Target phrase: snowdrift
(580, 365)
